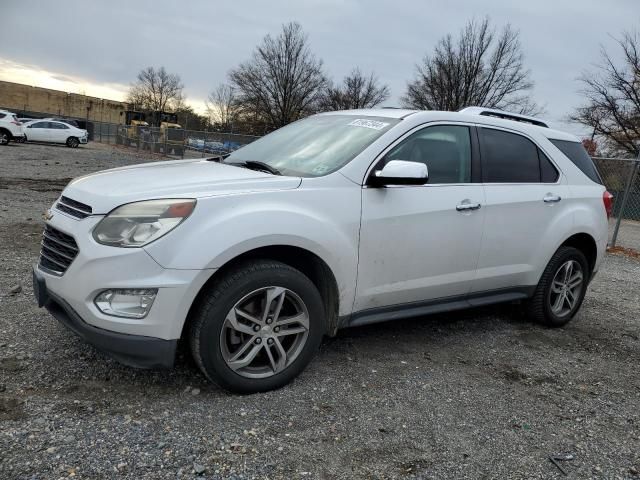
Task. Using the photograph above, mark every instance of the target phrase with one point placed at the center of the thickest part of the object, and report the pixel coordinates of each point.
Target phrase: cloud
(107, 43)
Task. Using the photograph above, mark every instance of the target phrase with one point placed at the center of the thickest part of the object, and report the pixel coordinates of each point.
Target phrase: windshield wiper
(256, 165)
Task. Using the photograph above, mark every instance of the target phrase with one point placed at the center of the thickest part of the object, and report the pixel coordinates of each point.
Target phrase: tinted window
(59, 126)
(2, 115)
(444, 149)
(575, 152)
(508, 158)
(548, 172)
(40, 125)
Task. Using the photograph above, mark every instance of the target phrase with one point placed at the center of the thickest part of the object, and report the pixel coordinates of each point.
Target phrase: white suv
(10, 128)
(340, 219)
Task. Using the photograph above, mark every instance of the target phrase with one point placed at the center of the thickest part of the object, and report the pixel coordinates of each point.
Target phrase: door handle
(467, 206)
(552, 198)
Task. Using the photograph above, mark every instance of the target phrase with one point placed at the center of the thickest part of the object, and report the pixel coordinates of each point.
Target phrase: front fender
(224, 227)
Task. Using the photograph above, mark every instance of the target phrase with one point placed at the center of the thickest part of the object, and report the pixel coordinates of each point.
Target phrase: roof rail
(490, 112)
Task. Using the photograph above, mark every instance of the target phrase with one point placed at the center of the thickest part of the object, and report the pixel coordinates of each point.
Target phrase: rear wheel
(5, 137)
(561, 289)
(258, 327)
(73, 142)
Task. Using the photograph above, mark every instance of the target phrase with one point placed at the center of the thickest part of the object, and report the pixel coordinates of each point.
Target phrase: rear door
(58, 132)
(524, 209)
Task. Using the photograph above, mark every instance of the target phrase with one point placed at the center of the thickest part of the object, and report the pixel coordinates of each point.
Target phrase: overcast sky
(98, 47)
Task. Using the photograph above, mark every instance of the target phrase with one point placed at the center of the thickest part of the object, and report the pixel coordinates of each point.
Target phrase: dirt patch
(35, 184)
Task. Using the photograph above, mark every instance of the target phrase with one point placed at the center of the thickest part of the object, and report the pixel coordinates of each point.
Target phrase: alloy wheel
(566, 288)
(4, 139)
(264, 332)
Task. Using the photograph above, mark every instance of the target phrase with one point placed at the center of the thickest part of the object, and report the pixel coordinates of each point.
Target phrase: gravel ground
(477, 394)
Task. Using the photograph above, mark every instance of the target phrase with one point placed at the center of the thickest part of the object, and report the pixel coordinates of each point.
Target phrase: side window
(508, 157)
(548, 173)
(40, 125)
(444, 149)
(2, 115)
(58, 126)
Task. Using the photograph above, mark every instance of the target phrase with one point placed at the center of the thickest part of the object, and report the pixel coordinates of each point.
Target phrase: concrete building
(27, 100)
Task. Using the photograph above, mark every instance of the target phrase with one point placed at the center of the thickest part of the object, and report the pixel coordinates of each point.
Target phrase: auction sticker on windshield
(374, 124)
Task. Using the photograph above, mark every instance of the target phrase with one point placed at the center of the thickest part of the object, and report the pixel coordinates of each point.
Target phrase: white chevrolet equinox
(340, 219)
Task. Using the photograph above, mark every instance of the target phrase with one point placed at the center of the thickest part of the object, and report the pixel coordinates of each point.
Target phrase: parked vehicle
(168, 134)
(26, 119)
(10, 128)
(55, 132)
(134, 129)
(337, 220)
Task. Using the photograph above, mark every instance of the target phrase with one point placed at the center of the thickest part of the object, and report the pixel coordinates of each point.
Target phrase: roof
(471, 115)
(375, 112)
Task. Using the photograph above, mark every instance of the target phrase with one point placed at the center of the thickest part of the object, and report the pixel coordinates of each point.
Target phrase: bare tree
(356, 91)
(612, 109)
(283, 80)
(222, 106)
(156, 90)
(481, 68)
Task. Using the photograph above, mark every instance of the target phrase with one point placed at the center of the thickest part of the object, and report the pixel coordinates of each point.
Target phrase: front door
(421, 243)
(38, 132)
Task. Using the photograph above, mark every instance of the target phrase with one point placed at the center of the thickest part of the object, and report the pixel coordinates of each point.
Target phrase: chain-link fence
(164, 140)
(622, 179)
(168, 141)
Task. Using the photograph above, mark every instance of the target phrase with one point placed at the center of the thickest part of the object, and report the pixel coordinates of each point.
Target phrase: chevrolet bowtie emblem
(47, 215)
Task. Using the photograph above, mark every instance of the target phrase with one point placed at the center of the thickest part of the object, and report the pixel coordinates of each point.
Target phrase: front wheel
(561, 289)
(257, 327)
(73, 142)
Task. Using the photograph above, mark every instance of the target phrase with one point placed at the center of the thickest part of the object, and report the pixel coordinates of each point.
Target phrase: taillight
(607, 199)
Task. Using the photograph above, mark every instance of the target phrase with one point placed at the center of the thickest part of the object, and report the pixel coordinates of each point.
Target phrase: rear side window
(575, 152)
(548, 173)
(2, 115)
(511, 158)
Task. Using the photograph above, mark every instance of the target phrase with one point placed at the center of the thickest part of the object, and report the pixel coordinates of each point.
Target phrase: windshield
(314, 146)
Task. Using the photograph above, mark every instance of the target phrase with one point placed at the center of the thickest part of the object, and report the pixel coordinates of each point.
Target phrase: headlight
(137, 224)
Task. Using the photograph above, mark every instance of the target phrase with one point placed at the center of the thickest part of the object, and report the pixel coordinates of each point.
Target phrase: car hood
(107, 189)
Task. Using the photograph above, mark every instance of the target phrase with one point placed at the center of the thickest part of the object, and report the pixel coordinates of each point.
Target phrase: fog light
(126, 302)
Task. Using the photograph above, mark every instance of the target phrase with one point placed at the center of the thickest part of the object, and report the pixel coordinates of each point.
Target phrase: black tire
(207, 323)
(73, 142)
(539, 307)
(5, 137)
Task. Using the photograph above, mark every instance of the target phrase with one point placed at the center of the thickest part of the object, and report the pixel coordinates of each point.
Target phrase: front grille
(73, 207)
(58, 250)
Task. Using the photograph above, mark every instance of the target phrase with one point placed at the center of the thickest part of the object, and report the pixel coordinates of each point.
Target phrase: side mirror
(400, 172)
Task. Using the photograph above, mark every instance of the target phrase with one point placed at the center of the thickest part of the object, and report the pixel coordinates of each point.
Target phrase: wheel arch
(8, 132)
(586, 244)
(307, 262)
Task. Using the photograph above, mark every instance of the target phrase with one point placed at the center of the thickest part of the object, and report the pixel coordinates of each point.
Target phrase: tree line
(482, 65)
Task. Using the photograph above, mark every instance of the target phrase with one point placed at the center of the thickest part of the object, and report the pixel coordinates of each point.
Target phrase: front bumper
(70, 296)
(133, 350)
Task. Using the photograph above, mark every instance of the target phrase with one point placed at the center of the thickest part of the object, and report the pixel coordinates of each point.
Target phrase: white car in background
(10, 128)
(55, 132)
